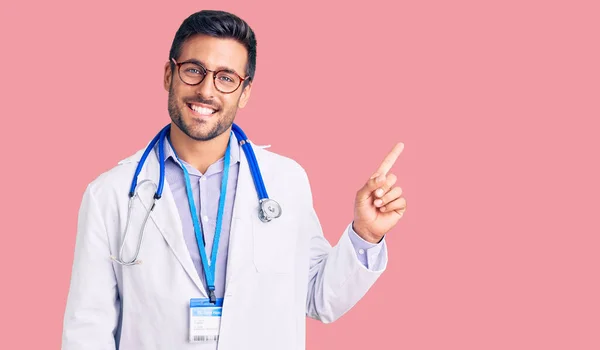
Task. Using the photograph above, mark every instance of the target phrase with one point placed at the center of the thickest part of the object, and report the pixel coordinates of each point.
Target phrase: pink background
(497, 103)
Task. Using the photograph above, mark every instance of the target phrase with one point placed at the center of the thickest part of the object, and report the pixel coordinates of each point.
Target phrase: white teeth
(202, 110)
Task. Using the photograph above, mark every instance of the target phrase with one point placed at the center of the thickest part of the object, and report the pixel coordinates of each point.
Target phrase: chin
(200, 133)
(201, 130)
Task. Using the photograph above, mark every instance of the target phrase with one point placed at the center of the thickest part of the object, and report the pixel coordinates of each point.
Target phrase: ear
(245, 96)
(168, 76)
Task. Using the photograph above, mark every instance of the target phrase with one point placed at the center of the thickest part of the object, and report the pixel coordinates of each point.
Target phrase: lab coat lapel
(240, 234)
(167, 220)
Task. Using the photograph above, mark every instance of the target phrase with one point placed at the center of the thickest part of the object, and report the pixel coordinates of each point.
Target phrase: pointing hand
(379, 205)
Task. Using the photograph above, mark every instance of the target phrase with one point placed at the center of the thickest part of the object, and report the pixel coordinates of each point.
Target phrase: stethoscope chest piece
(268, 210)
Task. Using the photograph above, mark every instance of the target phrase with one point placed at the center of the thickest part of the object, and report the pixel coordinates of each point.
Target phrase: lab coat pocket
(274, 245)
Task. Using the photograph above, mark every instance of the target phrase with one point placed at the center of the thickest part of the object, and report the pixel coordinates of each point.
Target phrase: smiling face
(201, 111)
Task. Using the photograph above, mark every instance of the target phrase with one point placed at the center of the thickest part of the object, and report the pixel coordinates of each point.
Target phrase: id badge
(205, 320)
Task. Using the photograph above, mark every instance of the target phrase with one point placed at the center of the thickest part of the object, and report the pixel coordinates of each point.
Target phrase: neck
(199, 154)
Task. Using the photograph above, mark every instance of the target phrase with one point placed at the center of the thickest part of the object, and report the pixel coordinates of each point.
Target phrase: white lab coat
(277, 273)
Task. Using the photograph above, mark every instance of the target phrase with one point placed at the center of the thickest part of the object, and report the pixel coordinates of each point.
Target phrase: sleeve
(337, 278)
(368, 253)
(93, 306)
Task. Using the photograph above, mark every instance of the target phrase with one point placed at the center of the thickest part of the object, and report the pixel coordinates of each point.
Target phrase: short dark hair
(218, 24)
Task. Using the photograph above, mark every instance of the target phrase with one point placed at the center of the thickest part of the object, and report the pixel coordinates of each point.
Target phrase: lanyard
(208, 266)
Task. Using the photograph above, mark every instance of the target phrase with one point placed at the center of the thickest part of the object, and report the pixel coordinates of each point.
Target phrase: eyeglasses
(191, 73)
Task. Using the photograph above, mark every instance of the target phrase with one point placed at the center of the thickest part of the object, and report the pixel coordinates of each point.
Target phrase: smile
(200, 110)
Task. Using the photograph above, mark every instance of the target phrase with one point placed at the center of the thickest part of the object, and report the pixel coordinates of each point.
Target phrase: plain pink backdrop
(497, 104)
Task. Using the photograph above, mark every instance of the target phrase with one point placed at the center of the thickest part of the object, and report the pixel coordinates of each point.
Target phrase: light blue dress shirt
(206, 189)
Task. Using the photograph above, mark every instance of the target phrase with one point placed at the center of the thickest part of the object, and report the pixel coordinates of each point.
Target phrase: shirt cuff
(366, 252)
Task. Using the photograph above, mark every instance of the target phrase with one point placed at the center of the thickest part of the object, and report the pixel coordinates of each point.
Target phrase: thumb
(374, 182)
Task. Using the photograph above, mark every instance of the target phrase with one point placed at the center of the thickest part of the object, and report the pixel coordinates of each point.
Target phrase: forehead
(215, 52)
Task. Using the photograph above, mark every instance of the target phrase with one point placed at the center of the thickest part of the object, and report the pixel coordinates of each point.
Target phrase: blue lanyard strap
(209, 267)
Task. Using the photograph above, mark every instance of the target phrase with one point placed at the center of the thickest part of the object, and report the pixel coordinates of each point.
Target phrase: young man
(204, 270)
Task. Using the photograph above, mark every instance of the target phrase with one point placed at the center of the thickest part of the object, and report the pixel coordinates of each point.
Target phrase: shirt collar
(213, 168)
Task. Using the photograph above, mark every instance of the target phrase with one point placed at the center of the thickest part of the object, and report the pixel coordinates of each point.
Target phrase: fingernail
(378, 202)
(382, 208)
(379, 192)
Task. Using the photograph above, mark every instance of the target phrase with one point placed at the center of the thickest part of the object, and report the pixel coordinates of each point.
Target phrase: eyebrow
(200, 63)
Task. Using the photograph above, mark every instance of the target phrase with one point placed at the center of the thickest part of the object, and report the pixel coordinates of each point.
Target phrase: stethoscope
(268, 209)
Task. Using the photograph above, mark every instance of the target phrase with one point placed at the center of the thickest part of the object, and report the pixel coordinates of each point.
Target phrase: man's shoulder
(283, 169)
(278, 162)
(117, 176)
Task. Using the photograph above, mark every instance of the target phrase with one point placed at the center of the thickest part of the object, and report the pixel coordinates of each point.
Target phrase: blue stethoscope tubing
(269, 209)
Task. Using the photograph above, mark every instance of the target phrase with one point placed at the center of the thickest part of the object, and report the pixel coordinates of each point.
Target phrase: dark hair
(218, 24)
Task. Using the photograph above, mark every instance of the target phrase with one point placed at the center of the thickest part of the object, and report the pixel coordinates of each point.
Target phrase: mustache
(210, 103)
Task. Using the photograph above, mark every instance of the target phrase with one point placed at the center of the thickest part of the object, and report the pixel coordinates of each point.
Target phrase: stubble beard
(223, 122)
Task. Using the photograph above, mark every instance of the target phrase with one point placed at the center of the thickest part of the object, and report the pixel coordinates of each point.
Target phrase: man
(266, 277)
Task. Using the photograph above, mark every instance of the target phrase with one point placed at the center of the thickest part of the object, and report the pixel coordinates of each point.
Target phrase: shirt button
(203, 178)
(361, 251)
(205, 218)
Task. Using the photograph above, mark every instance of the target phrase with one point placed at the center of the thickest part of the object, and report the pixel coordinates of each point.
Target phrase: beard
(200, 130)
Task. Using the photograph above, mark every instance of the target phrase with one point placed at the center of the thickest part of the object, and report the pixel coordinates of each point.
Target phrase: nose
(206, 88)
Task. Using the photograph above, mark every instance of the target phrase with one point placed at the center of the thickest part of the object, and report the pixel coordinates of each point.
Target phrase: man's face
(202, 112)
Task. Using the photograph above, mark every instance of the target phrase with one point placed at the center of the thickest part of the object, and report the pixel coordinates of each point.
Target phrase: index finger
(390, 159)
